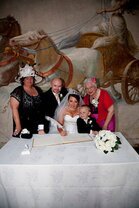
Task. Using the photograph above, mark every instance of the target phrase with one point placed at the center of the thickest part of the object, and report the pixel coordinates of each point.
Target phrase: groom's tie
(57, 98)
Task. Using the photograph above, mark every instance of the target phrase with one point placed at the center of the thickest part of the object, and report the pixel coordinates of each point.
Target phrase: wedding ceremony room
(69, 103)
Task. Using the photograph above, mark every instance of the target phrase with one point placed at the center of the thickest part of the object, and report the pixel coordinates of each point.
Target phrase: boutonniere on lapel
(95, 102)
(61, 95)
(90, 121)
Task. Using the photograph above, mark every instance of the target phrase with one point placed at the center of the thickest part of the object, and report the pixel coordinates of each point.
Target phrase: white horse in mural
(72, 64)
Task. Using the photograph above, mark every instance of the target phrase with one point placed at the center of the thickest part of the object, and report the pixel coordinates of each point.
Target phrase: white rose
(102, 148)
(104, 138)
(100, 145)
(112, 143)
(108, 146)
(114, 139)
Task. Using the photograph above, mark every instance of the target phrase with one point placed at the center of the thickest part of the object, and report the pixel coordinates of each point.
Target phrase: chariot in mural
(119, 66)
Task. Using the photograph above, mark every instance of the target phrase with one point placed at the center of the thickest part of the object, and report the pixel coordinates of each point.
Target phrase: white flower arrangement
(95, 102)
(106, 141)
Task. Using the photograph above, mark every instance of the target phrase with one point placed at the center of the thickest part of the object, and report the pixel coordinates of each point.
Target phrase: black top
(84, 127)
(31, 111)
(50, 102)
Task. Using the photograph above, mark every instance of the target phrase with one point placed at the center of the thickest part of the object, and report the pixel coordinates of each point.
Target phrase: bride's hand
(61, 131)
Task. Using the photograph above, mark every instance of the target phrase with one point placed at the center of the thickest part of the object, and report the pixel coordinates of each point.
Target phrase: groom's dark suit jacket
(50, 102)
(84, 127)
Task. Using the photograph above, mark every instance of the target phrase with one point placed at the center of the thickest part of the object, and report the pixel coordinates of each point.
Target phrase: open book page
(74, 138)
(57, 139)
(47, 139)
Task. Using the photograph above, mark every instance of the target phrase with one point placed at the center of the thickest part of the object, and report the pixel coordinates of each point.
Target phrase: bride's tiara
(73, 91)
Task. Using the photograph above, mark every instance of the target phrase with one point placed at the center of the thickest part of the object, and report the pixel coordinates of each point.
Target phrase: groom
(53, 96)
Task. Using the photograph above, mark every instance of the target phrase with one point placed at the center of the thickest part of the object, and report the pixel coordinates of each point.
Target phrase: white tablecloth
(68, 176)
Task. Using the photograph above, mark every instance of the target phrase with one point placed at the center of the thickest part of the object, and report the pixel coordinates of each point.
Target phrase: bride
(68, 112)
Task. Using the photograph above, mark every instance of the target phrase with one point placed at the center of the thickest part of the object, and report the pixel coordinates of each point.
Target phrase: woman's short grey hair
(93, 80)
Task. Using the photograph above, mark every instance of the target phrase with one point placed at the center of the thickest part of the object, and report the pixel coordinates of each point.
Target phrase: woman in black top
(26, 103)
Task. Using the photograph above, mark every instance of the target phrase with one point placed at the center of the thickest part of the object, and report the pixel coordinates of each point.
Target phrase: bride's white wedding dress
(70, 123)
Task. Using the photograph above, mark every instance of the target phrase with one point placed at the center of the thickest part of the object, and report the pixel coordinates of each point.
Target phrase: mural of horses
(9, 27)
(102, 59)
(73, 64)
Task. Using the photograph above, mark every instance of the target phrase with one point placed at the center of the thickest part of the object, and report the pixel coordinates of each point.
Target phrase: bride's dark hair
(76, 96)
(64, 103)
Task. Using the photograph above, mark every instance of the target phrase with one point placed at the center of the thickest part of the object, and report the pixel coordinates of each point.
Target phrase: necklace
(95, 97)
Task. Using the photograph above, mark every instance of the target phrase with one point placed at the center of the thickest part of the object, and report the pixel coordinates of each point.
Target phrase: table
(68, 176)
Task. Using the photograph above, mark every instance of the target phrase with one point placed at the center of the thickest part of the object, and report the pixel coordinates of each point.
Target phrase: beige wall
(50, 15)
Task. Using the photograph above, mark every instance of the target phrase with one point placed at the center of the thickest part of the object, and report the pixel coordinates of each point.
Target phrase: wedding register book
(57, 139)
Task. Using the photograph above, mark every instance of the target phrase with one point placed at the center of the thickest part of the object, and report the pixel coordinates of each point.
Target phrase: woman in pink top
(101, 104)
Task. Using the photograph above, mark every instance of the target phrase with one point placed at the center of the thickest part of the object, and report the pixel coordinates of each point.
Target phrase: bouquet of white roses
(107, 141)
